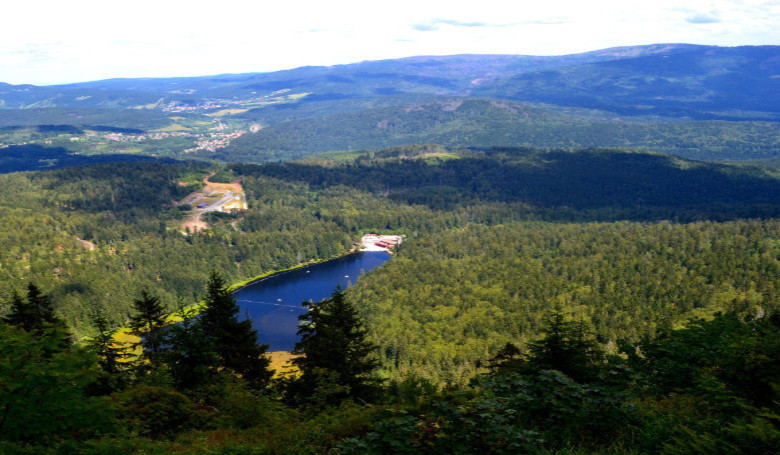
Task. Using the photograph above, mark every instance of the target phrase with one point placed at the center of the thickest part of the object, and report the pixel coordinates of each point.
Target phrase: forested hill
(591, 184)
(508, 321)
(667, 79)
(487, 123)
(35, 157)
(699, 102)
(316, 210)
(701, 82)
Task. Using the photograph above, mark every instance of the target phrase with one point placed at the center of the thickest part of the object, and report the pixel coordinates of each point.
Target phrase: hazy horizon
(51, 43)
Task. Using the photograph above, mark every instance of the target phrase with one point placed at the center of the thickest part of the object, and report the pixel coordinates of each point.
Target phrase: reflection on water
(275, 303)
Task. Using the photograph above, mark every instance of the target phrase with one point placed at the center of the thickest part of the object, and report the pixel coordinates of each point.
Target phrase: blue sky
(54, 41)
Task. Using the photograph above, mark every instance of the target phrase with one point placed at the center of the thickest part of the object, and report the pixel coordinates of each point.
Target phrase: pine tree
(20, 314)
(42, 391)
(33, 314)
(235, 342)
(147, 323)
(506, 359)
(189, 353)
(568, 348)
(111, 355)
(36, 315)
(335, 352)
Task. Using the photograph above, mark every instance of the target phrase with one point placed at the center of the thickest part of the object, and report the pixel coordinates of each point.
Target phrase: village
(205, 141)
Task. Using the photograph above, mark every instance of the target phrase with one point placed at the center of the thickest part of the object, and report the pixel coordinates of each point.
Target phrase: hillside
(486, 123)
(591, 184)
(510, 253)
(702, 83)
(34, 157)
(700, 102)
(127, 211)
(679, 73)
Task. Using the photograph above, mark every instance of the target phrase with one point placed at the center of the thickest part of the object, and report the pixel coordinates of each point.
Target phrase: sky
(46, 42)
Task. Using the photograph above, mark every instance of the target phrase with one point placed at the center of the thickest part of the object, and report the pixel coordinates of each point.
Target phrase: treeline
(709, 388)
(206, 374)
(448, 300)
(87, 117)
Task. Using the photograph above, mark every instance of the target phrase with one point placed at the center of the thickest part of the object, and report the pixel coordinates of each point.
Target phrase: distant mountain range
(628, 96)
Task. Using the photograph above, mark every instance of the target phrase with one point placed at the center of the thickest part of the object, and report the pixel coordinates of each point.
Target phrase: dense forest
(541, 303)
(96, 235)
(318, 211)
(35, 157)
(447, 301)
(485, 123)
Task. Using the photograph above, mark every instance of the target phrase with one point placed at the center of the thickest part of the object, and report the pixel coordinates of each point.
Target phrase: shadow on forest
(589, 184)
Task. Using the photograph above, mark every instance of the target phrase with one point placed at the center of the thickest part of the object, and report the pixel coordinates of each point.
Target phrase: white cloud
(55, 41)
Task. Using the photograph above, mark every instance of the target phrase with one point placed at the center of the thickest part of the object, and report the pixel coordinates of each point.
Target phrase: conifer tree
(335, 352)
(34, 313)
(20, 314)
(189, 353)
(234, 341)
(42, 391)
(111, 354)
(147, 323)
(568, 348)
(506, 359)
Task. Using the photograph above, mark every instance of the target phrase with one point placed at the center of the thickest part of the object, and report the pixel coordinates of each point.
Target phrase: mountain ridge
(696, 101)
(492, 75)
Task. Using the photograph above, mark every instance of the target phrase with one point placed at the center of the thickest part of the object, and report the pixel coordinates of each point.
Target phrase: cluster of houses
(377, 242)
(207, 141)
(215, 141)
(175, 106)
(121, 137)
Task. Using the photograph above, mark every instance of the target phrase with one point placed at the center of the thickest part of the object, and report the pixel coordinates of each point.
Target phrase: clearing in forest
(214, 197)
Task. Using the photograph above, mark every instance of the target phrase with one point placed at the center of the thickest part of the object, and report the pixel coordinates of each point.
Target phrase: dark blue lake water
(274, 303)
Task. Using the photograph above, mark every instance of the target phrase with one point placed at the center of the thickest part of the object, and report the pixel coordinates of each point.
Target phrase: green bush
(157, 411)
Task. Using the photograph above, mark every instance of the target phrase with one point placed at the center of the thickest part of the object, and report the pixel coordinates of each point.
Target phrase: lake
(274, 303)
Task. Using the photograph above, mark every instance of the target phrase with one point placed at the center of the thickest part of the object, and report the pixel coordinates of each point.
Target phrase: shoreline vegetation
(123, 336)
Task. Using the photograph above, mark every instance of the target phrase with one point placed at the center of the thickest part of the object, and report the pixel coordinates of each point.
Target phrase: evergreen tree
(506, 359)
(36, 315)
(189, 353)
(111, 354)
(20, 314)
(147, 323)
(334, 352)
(566, 347)
(33, 314)
(234, 341)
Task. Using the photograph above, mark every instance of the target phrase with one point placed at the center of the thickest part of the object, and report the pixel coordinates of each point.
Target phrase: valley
(572, 254)
(698, 102)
